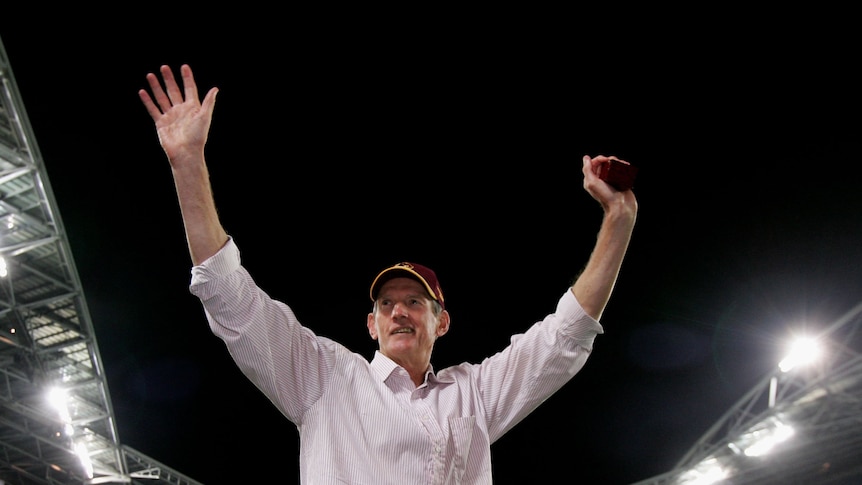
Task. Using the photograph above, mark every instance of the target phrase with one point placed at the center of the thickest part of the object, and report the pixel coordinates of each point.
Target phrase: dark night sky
(335, 152)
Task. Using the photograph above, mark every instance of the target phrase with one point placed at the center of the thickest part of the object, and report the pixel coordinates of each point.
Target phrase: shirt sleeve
(286, 361)
(536, 364)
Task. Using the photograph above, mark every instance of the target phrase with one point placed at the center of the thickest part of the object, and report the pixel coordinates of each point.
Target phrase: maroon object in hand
(619, 175)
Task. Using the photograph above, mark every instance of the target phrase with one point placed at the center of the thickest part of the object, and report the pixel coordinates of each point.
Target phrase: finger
(159, 93)
(152, 109)
(588, 167)
(593, 163)
(209, 101)
(171, 86)
(189, 84)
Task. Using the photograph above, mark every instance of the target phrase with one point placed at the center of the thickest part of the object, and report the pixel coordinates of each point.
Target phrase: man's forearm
(204, 232)
(595, 284)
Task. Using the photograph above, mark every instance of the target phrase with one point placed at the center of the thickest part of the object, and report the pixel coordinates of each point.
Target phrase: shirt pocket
(461, 434)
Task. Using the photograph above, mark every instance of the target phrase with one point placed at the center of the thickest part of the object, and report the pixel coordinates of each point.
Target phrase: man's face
(405, 324)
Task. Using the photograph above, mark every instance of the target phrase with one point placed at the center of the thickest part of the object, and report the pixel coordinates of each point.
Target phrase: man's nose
(399, 310)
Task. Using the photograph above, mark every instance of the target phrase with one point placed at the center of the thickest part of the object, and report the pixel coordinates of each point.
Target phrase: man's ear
(443, 323)
(372, 327)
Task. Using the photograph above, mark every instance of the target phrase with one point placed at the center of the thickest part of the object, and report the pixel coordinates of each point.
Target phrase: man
(395, 419)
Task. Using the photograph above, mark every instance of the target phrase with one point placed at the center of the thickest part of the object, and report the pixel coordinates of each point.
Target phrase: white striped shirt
(365, 423)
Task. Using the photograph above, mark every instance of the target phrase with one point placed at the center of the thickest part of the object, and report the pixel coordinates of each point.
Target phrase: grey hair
(436, 307)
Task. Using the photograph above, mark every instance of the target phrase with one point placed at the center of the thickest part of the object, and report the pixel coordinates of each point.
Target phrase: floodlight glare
(802, 351)
(765, 440)
(84, 457)
(57, 398)
(707, 472)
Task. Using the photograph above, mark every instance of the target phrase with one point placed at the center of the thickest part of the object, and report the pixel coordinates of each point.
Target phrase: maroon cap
(410, 270)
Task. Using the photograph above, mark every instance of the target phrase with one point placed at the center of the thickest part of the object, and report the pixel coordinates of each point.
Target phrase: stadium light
(802, 351)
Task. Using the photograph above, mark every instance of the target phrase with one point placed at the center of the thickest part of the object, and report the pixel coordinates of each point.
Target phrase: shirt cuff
(575, 321)
(220, 264)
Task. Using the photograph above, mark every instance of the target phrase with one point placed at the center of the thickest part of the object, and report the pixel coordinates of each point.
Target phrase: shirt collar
(383, 367)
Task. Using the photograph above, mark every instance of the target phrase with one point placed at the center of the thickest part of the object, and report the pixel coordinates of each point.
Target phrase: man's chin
(402, 347)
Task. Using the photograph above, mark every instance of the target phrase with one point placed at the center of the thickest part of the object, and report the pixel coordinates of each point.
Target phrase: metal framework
(823, 407)
(46, 335)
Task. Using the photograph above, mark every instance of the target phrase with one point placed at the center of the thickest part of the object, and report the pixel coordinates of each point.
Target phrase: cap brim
(394, 272)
